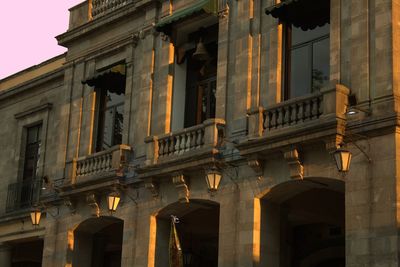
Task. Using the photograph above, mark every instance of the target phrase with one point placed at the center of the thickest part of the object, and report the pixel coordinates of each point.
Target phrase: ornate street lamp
(342, 159)
(35, 216)
(113, 201)
(213, 178)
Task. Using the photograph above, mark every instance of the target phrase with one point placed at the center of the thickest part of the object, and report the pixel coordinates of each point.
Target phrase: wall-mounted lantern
(35, 216)
(342, 159)
(113, 201)
(213, 178)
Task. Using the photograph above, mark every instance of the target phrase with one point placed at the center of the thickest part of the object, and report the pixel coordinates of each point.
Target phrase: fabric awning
(306, 14)
(207, 6)
(112, 79)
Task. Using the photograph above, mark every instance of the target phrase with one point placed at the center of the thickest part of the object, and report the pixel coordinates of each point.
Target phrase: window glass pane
(108, 128)
(118, 124)
(300, 36)
(300, 71)
(320, 72)
(113, 99)
(32, 135)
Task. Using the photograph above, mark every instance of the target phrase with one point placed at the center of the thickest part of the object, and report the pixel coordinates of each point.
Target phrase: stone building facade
(155, 95)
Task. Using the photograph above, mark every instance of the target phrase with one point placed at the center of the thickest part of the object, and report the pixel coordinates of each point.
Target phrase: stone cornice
(31, 83)
(35, 109)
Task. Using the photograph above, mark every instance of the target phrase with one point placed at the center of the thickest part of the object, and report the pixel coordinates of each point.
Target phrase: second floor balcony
(23, 195)
(317, 116)
(184, 148)
(99, 167)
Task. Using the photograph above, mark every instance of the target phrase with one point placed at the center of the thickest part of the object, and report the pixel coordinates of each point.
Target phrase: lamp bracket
(333, 143)
(181, 183)
(292, 157)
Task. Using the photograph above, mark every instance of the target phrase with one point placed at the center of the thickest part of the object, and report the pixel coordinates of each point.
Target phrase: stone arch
(300, 223)
(97, 242)
(198, 231)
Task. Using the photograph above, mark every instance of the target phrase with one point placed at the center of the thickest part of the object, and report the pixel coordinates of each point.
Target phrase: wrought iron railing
(23, 195)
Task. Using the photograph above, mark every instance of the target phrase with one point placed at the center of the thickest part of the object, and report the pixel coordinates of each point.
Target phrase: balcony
(314, 117)
(184, 148)
(100, 7)
(23, 195)
(109, 163)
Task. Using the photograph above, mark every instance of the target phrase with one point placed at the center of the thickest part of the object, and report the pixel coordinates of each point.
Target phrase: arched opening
(26, 253)
(198, 231)
(303, 224)
(98, 242)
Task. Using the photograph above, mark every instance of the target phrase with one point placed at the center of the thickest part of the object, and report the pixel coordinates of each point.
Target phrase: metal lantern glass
(213, 178)
(35, 217)
(342, 159)
(113, 201)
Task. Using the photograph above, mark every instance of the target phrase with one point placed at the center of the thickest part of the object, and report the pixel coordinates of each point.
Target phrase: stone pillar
(5, 256)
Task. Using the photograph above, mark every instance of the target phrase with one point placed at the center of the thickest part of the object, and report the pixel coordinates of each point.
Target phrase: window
(306, 50)
(110, 96)
(28, 189)
(201, 81)
(195, 74)
(307, 60)
(32, 152)
(110, 118)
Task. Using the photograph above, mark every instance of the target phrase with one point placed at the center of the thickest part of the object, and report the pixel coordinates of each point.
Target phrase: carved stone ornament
(295, 167)
(135, 39)
(92, 201)
(181, 184)
(257, 166)
(152, 187)
(70, 204)
(223, 13)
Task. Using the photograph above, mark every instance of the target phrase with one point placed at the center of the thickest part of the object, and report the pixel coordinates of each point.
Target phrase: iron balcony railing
(23, 195)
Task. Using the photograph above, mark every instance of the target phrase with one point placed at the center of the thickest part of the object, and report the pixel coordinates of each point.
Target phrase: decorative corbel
(93, 202)
(257, 165)
(295, 167)
(70, 204)
(181, 184)
(135, 39)
(152, 186)
(223, 12)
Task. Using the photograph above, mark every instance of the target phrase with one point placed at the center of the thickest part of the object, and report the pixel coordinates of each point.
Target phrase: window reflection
(307, 60)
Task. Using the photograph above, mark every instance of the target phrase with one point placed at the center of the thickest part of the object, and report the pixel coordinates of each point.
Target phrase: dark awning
(112, 79)
(207, 6)
(306, 14)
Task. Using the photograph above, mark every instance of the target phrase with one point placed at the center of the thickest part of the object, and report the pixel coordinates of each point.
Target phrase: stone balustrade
(100, 7)
(293, 112)
(107, 162)
(327, 106)
(172, 145)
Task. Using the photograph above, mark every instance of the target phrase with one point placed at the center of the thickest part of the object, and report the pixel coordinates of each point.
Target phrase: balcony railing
(293, 112)
(174, 145)
(316, 112)
(100, 7)
(110, 162)
(23, 195)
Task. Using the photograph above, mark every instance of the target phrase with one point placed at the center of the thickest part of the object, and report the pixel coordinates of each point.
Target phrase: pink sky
(27, 30)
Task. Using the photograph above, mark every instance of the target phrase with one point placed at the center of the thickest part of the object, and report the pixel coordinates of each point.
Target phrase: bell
(201, 53)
